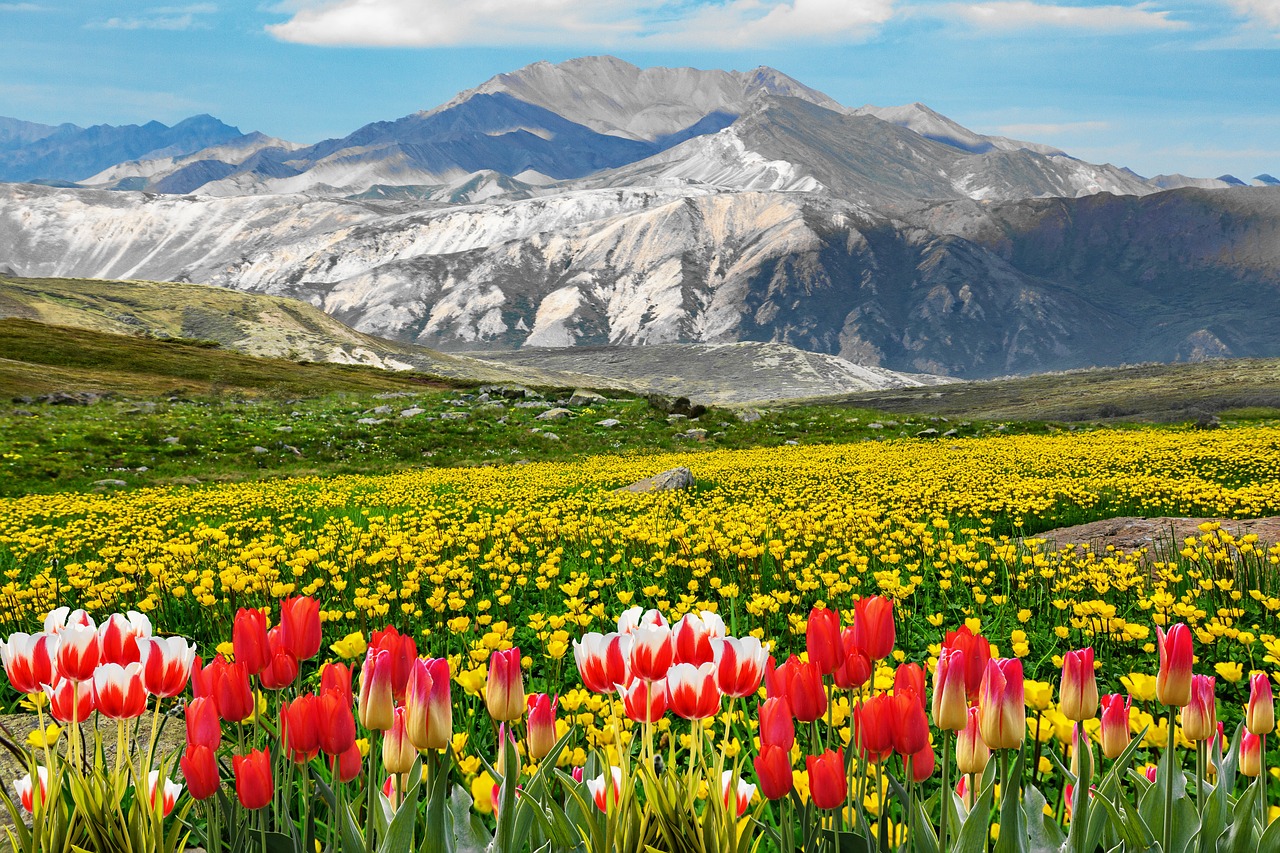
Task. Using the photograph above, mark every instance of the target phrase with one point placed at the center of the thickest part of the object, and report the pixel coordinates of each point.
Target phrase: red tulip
(977, 652)
(874, 725)
(1173, 682)
(1260, 713)
(776, 726)
(404, 651)
(249, 637)
(200, 770)
(910, 676)
(337, 676)
(1115, 724)
(1002, 714)
(29, 661)
(910, 725)
(1250, 755)
(504, 689)
(26, 791)
(652, 652)
(606, 792)
(739, 665)
(542, 725)
(165, 796)
(921, 764)
(231, 690)
(417, 703)
(118, 637)
(282, 667)
(70, 701)
(335, 723)
(377, 698)
(735, 793)
(1200, 715)
(691, 637)
(855, 669)
(644, 701)
(202, 677)
(972, 752)
(691, 691)
(950, 704)
(773, 769)
(300, 626)
(827, 784)
(823, 640)
(78, 652)
(300, 727)
(254, 785)
(873, 628)
(204, 726)
(603, 660)
(348, 763)
(1078, 693)
(802, 684)
(166, 664)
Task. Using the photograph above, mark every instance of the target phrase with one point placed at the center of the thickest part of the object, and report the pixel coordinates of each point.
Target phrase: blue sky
(1192, 87)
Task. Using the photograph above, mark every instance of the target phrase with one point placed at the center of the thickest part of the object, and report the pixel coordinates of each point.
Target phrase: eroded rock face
(676, 478)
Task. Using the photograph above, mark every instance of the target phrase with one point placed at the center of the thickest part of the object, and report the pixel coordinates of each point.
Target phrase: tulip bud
(336, 727)
(377, 700)
(1200, 714)
(300, 727)
(972, 752)
(1002, 715)
(1173, 682)
(398, 753)
(739, 664)
(249, 638)
(736, 793)
(910, 676)
(337, 676)
(802, 685)
(417, 703)
(873, 626)
(691, 691)
(1115, 724)
(921, 765)
(1250, 755)
(1078, 694)
(62, 617)
(29, 661)
(977, 652)
(606, 792)
(950, 706)
(300, 626)
(644, 701)
(828, 787)
(773, 769)
(776, 726)
(874, 724)
(855, 668)
(163, 796)
(1260, 713)
(504, 690)
(231, 691)
(823, 640)
(910, 726)
(254, 784)
(349, 763)
(403, 651)
(542, 725)
(282, 667)
(27, 792)
(636, 618)
(204, 726)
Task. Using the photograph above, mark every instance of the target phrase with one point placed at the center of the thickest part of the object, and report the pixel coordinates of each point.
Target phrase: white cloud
(1265, 12)
(1025, 15)
(161, 18)
(647, 23)
(22, 7)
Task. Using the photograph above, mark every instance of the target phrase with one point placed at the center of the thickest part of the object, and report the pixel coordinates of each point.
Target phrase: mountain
(920, 119)
(961, 287)
(71, 153)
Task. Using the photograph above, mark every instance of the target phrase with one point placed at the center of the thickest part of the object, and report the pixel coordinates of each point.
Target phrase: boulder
(411, 413)
(556, 414)
(676, 478)
(585, 398)
(608, 423)
(748, 416)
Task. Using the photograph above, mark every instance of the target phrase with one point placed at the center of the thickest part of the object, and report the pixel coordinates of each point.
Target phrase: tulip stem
(1168, 790)
(881, 841)
(1200, 772)
(945, 799)
(1262, 777)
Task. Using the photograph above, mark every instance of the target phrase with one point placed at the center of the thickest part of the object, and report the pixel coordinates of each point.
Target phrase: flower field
(472, 563)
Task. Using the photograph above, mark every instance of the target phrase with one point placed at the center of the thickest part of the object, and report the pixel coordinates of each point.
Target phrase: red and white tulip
(166, 664)
(29, 660)
(740, 664)
(118, 691)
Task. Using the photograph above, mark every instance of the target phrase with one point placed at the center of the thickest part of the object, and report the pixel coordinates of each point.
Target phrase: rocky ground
(1156, 535)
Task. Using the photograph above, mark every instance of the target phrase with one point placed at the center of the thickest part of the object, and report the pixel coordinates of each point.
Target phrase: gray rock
(411, 412)
(556, 414)
(284, 429)
(142, 469)
(530, 404)
(875, 425)
(550, 436)
(113, 483)
(749, 416)
(791, 441)
(381, 410)
(454, 416)
(581, 397)
(927, 433)
(675, 419)
(260, 450)
(608, 423)
(295, 451)
(693, 435)
(951, 433)
(23, 413)
(676, 478)
(170, 439)
(371, 421)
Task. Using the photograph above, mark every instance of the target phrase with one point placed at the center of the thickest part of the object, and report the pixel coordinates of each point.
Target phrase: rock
(676, 478)
(284, 429)
(791, 441)
(891, 424)
(951, 433)
(170, 439)
(927, 433)
(608, 423)
(585, 398)
(550, 436)
(381, 410)
(411, 412)
(749, 416)
(676, 406)
(62, 398)
(491, 407)
(522, 462)
(556, 414)
(1207, 421)
(113, 483)
(675, 419)
(23, 413)
(295, 451)
(371, 421)
(875, 425)
(693, 435)
(454, 416)
(23, 400)
(260, 450)
(142, 469)
(530, 404)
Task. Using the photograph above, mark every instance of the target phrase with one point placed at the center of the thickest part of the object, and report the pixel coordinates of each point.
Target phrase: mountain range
(594, 203)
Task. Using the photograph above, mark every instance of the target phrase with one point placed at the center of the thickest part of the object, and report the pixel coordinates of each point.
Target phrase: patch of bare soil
(1157, 535)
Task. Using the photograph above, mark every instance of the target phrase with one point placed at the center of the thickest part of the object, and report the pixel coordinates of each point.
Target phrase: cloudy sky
(1181, 86)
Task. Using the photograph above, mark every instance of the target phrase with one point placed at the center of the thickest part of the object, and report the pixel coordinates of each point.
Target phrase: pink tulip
(504, 689)
(1200, 715)
(950, 702)
(739, 665)
(398, 753)
(1260, 713)
(542, 725)
(1115, 724)
(972, 752)
(1078, 693)
(1173, 682)
(1002, 716)
(1250, 755)
(376, 704)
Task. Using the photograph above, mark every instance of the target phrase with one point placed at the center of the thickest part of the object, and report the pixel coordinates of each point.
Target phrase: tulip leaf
(1213, 822)
(1013, 821)
(926, 840)
(1270, 842)
(278, 842)
(849, 842)
(469, 834)
(399, 833)
(1043, 833)
(1242, 837)
(977, 824)
(1135, 836)
(349, 833)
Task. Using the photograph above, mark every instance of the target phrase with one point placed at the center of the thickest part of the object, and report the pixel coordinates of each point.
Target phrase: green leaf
(922, 833)
(399, 834)
(1270, 842)
(1013, 821)
(1242, 837)
(1044, 835)
(977, 824)
(848, 842)
(469, 832)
